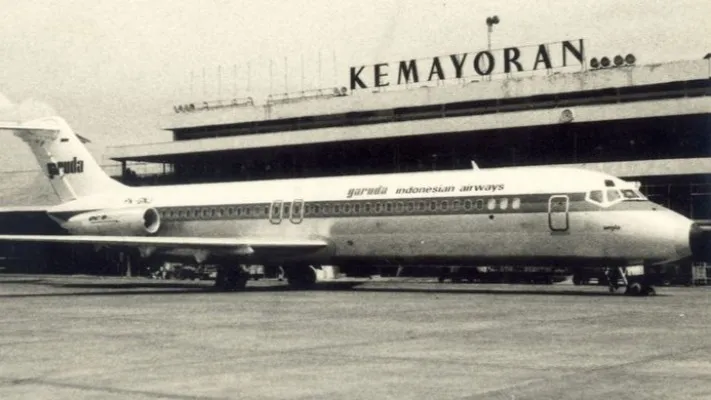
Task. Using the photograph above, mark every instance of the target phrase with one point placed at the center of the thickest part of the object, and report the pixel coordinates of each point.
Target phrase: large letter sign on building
(483, 63)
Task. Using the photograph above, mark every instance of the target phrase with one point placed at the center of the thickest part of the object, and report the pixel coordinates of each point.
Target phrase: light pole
(490, 22)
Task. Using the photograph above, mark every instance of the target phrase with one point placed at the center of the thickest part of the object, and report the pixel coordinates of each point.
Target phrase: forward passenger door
(558, 210)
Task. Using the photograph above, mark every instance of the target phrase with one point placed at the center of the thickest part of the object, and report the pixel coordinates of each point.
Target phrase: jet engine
(120, 222)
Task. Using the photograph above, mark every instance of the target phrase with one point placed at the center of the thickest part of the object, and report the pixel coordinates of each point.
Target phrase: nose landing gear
(634, 283)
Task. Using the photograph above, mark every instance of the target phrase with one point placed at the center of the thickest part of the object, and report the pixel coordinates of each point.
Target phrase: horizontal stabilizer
(23, 209)
(48, 126)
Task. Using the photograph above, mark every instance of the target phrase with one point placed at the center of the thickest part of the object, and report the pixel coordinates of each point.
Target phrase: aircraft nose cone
(700, 241)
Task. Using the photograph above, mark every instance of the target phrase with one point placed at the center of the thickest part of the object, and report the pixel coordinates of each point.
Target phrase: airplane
(528, 216)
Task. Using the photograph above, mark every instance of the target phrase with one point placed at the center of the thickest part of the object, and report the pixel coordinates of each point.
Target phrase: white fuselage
(533, 215)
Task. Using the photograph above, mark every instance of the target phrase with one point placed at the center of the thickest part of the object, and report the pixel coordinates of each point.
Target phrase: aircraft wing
(238, 245)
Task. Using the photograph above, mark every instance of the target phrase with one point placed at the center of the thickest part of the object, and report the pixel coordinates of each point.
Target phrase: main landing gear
(300, 276)
(231, 279)
(633, 280)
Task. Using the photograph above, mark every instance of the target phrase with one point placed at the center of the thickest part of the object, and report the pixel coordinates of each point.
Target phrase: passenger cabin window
(491, 204)
(516, 203)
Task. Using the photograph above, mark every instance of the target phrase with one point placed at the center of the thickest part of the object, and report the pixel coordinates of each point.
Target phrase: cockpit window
(631, 194)
(596, 196)
(613, 195)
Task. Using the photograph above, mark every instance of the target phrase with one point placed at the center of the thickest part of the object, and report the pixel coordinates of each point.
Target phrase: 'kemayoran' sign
(488, 62)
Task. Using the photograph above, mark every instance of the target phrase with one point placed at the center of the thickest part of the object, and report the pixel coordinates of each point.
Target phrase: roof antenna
(474, 166)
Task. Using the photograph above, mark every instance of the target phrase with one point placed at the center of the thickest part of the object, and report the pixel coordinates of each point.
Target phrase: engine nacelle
(120, 222)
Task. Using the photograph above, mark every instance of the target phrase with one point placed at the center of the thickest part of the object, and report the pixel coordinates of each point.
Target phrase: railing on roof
(281, 98)
(213, 105)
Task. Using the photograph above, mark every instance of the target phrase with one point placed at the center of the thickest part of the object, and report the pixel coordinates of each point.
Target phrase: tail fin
(71, 169)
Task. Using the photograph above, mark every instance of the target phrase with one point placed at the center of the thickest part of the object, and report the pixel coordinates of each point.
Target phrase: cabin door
(297, 211)
(275, 212)
(558, 213)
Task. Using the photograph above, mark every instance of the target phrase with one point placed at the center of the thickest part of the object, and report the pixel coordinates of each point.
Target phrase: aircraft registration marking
(138, 200)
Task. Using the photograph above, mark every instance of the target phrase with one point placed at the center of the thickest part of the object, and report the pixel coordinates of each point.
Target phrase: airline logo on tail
(73, 166)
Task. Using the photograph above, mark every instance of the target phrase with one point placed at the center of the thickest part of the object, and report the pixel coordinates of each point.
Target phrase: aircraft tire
(230, 280)
(634, 289)
(577, 280)
(649, 291)
(221, 279)
(300, 276)
(236, 279)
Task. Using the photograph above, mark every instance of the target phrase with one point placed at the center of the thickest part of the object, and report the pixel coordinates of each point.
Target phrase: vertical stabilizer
(67, 163)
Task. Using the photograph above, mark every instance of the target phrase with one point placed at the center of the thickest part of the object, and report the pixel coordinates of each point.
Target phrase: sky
(111, 68)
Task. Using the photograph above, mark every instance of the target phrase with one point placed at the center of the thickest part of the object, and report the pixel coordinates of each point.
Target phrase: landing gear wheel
(649, 291)
(634, 289)
(230, 279)
(300, 276)
(236, 280)
(221, 279)
(639, 289)
(577, 279)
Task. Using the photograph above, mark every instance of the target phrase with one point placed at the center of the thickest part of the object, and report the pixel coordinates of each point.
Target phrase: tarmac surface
(134, 338)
